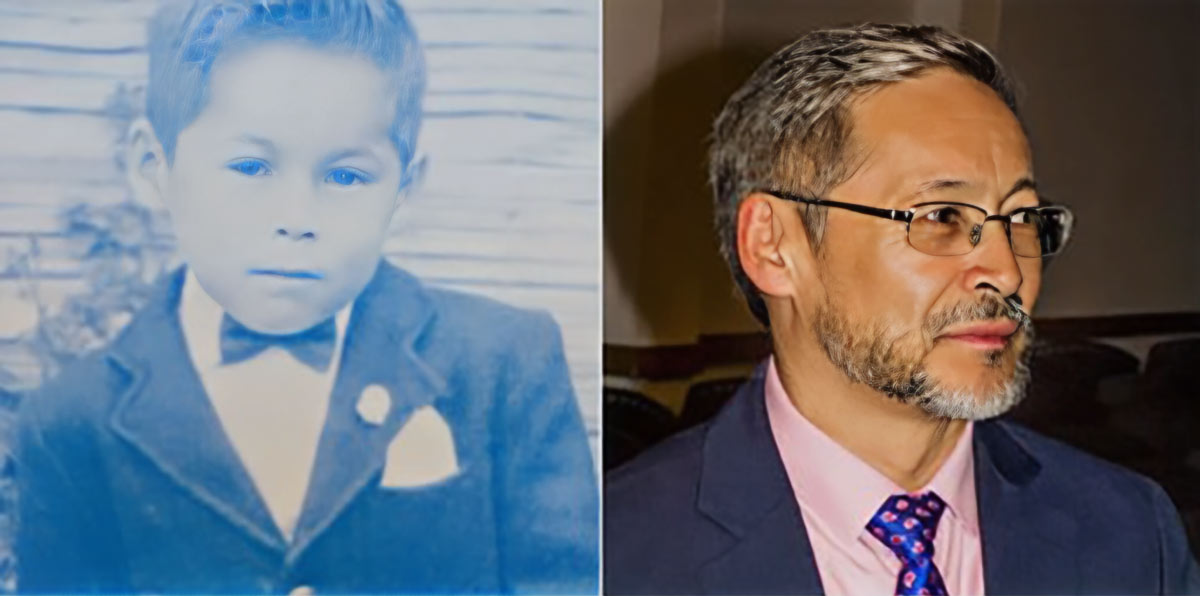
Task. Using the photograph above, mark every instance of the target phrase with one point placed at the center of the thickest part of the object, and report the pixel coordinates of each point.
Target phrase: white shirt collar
(200, 318)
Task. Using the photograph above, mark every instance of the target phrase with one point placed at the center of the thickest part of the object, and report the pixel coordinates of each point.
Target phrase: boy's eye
(250, 167)
(347, 177)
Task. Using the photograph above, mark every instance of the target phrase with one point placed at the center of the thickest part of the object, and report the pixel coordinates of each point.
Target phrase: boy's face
(283, 187)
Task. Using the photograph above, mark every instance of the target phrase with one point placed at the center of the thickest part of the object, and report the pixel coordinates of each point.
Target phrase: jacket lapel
(1029, 544)
(380, 350)
(744, 488)
(165, 413)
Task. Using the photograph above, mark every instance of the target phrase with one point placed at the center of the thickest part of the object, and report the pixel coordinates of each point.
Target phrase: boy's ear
(145, 165)
(413, 177)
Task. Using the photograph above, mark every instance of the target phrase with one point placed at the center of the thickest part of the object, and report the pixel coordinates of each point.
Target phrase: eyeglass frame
(906, 216)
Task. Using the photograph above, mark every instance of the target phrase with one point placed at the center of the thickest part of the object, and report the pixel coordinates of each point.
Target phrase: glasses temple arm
(892, 214)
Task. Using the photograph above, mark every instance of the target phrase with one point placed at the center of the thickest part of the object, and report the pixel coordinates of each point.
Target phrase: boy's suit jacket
(712, 512)
(127, 483)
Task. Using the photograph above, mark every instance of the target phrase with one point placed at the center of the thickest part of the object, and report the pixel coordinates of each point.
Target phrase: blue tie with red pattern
(907, 524)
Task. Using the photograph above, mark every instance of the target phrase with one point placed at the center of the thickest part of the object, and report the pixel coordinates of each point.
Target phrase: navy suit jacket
(711, 512)
(127, 483)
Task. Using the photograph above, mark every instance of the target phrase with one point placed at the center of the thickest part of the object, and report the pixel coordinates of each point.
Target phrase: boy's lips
(288, 273)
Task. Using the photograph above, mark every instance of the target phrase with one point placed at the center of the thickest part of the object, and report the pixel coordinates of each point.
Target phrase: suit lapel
(1028, 542)
(165, 413)
(380, 350)
(744, 488)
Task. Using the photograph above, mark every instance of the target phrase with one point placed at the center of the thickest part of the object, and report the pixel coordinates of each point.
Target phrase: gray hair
(788, 126)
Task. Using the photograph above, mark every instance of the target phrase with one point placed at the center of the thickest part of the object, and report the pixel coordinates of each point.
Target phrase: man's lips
(988, 335)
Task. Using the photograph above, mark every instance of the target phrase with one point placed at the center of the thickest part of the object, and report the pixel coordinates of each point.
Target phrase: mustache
(988, 309)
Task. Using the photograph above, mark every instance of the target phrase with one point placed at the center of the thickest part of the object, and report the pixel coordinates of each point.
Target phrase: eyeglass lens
(948, 230)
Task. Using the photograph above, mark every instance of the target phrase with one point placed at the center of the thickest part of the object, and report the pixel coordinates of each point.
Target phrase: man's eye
(347, 177)
(250, 167)
(944, 215)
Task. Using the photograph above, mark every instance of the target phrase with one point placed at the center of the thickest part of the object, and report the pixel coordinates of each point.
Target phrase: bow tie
(313, 346)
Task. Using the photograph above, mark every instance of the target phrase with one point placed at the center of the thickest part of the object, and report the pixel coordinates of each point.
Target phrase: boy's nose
(295, 215)
(296, 233)
(294, 209)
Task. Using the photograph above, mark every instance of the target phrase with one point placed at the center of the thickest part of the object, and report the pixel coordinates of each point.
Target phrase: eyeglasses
(952, 229)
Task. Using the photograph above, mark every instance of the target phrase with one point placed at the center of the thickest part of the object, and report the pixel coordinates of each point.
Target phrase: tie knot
(907, 524)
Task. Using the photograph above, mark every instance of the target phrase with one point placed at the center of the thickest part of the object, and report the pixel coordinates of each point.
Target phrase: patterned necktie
(907, 524)
(313, 346)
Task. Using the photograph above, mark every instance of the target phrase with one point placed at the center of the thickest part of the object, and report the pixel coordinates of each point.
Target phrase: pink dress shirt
(838, 493)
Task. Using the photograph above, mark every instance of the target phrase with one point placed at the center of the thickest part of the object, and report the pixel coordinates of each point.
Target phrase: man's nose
(994, 266)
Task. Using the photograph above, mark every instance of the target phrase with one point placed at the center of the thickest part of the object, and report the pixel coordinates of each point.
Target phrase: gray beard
(875, 356)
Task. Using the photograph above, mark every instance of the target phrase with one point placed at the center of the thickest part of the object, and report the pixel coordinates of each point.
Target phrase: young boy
(290, 412)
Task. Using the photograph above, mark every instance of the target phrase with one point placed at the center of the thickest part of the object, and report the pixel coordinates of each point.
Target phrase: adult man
(876, 202)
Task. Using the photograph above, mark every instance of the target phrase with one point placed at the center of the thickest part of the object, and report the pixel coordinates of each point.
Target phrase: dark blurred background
(1110, 92)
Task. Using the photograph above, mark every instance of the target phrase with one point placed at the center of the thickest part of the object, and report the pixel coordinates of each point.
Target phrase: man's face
(937, 331)
(282, 189)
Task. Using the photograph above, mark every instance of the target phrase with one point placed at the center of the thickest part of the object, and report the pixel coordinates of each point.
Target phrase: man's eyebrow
(941, 184)
(1025, 183)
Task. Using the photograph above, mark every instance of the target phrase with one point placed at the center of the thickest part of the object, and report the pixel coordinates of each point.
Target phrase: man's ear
(772, 246)
(146, 165)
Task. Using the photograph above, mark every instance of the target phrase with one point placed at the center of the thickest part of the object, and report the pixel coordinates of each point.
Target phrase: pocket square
(421, 453)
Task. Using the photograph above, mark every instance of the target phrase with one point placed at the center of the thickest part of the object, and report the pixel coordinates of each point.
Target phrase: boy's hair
(187, 36)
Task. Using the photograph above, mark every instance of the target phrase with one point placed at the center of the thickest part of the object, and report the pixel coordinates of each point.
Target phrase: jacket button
(302, 591)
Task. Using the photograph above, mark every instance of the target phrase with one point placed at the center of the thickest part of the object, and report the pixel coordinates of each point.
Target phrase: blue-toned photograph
(299, 296)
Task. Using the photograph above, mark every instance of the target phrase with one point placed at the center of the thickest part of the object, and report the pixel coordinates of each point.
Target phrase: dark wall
(1111, 95)
(1112, 100)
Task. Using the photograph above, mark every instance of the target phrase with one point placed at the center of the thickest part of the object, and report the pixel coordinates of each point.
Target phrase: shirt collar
(842, 490)
(200, 318)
